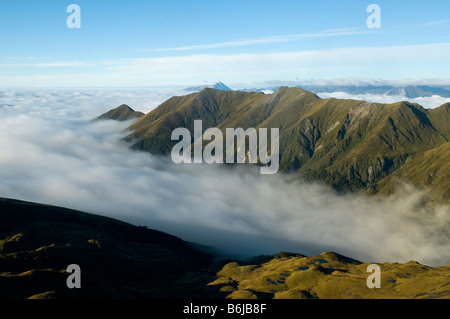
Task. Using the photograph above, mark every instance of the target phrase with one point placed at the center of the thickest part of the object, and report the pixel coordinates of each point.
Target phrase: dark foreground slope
(117, 260)
(122, 261)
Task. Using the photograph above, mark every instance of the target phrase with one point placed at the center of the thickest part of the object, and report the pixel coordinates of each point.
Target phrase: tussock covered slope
(330, 276)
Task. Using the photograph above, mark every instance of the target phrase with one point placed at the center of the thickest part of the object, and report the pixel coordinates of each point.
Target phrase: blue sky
(145, 43)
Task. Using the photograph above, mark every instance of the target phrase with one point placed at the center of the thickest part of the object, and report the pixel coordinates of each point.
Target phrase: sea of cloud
(51, 152)
(427, 102)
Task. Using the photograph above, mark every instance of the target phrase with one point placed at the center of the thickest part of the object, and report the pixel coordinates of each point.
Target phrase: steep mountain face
(120, 113)
(425, 169)
(349, 144)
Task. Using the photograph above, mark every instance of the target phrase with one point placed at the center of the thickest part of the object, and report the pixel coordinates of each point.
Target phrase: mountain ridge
(407, 91)
(350, 144)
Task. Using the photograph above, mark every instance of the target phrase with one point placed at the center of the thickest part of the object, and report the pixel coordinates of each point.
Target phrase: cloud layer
(51, 153)
(426, 102)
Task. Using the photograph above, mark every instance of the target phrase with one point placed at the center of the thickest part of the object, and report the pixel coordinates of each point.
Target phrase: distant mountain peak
(120, 113)
(217, 86)
(221, 86)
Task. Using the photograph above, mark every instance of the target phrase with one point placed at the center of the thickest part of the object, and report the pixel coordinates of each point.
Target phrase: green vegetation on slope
(330, 276)
(351, 145)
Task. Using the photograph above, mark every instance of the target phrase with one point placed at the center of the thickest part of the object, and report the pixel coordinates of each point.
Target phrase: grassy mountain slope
(371, 142)
(349, 144)
(428, 170)
(439, 117)
(329, 276)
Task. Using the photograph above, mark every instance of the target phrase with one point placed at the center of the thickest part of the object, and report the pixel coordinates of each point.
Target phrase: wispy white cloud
(264, 40)
(434, 23)
(50, 64)
(388, 62)
(23, 58)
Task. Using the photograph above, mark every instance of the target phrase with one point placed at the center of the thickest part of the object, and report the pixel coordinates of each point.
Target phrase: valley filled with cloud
(52, 153)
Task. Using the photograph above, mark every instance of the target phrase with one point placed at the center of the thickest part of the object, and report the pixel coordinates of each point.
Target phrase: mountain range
(351, 145)
(407, 91)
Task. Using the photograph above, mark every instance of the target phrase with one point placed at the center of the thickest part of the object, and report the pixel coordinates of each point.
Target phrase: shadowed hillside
(117, 260)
